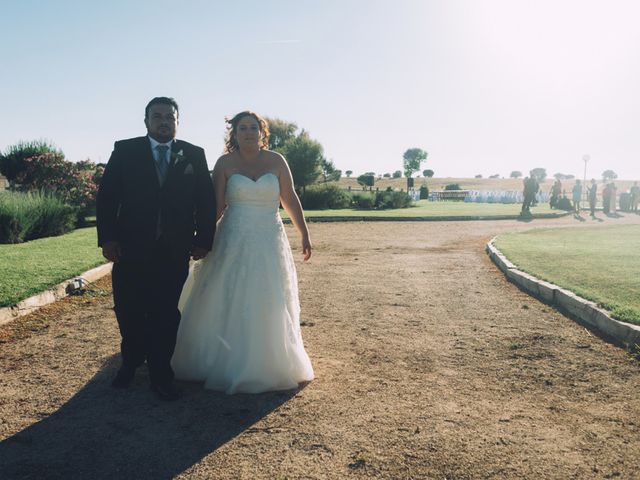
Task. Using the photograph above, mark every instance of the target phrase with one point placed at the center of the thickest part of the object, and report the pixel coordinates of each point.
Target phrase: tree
(559, 176)
(387, 175)
(304, 156)
(366, 180)
(515, 174)
(539, 174)
(609, 175)
(478, 176)
(412, 159)
(497, 175)
(428, 173)
(329, 171)
(397, 174)
(280, 132)
(348, 173)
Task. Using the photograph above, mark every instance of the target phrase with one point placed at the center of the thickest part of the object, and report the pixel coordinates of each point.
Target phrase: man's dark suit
(155, 226)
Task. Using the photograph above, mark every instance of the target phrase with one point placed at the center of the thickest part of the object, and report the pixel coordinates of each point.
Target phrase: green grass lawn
(599, 264)
(424, 208)
(32, 267)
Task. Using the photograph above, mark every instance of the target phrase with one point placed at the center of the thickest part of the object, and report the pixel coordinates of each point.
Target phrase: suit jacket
(131, 201)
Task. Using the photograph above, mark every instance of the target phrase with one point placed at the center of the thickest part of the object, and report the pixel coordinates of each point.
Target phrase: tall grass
(31, 215)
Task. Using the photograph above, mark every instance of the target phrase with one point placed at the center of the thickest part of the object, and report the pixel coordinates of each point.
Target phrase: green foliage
(387, 175)
(515, 174)
(386, 200)
(303, 154)
(428, 173)
(412, 159)
(324, 196)
(452, 186)
(397, 174)
(329, 171)
(27, 216)
(364, 201)
(608, 175)
(348, 173)
(424, 192)
(304, 157)
(280, 133)
(366, 180)
(12, 161)
(76, 184)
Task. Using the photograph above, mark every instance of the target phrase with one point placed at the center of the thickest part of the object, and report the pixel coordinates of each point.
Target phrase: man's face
(162, 122)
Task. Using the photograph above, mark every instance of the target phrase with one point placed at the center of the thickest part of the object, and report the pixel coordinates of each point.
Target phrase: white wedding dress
(240, 327)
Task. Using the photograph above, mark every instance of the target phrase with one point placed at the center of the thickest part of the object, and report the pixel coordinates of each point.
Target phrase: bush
(424, 192)
(13, 161)
(453, 186)
(364, 201)
(27, 216)
(325, 196)
(76, 184)
(385, 200)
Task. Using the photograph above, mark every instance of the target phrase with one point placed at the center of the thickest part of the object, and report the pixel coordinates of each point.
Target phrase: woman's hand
(306, 248)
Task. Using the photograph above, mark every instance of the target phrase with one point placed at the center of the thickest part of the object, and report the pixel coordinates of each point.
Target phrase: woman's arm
(291, 204)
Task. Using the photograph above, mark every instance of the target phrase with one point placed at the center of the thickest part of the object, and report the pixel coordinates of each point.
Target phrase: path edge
(586, 312)
(53, 294)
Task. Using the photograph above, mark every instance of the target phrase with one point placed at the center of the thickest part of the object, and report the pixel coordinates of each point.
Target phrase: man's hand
(111, 251)
(198, 253)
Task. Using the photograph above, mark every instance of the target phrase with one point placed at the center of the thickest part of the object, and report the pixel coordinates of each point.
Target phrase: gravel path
(429, 364)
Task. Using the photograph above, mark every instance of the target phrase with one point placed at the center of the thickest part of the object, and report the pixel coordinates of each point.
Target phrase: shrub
(424, 192)
(385, 200)
(453, 186)
(13, 161)
(27, 216)
(325, 196)
(76, 184)
(364, 201)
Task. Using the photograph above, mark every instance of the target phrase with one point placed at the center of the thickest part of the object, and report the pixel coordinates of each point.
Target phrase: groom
(155, 209)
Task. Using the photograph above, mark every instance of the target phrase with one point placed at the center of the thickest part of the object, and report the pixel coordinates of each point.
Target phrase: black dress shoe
(166, 392)
(123, 378)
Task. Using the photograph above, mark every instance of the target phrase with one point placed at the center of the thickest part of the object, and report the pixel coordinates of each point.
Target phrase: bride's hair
(230, 143)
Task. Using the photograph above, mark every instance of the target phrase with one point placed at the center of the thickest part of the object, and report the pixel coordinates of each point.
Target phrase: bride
(240, 327)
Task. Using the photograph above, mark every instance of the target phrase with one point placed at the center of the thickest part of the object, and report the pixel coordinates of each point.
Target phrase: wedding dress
(240, 327)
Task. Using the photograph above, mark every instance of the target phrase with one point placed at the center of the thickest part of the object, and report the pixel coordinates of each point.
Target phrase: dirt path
(429, 364)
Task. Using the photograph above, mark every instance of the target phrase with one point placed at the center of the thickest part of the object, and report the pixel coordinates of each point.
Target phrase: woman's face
(248, 132)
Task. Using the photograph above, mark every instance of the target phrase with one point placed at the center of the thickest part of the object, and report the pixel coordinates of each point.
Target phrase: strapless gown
(240, 327)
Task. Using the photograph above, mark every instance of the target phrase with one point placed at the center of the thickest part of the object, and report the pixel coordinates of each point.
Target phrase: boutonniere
(178, 156)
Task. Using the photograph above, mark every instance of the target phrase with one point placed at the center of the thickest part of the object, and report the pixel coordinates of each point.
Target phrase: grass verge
(32, 267)
(600, 264)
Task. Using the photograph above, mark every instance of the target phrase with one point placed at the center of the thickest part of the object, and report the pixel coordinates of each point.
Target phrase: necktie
(163, 165)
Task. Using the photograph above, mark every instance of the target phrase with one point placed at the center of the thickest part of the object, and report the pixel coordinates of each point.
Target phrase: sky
(484, 86)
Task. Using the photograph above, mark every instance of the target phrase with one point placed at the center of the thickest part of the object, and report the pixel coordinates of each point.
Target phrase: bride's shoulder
(274, 158)
(223, 163)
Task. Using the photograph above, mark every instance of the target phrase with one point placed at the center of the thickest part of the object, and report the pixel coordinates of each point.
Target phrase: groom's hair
(161, 101)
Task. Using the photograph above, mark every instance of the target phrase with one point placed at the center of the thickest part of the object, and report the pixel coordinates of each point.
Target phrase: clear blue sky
(485, 86)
